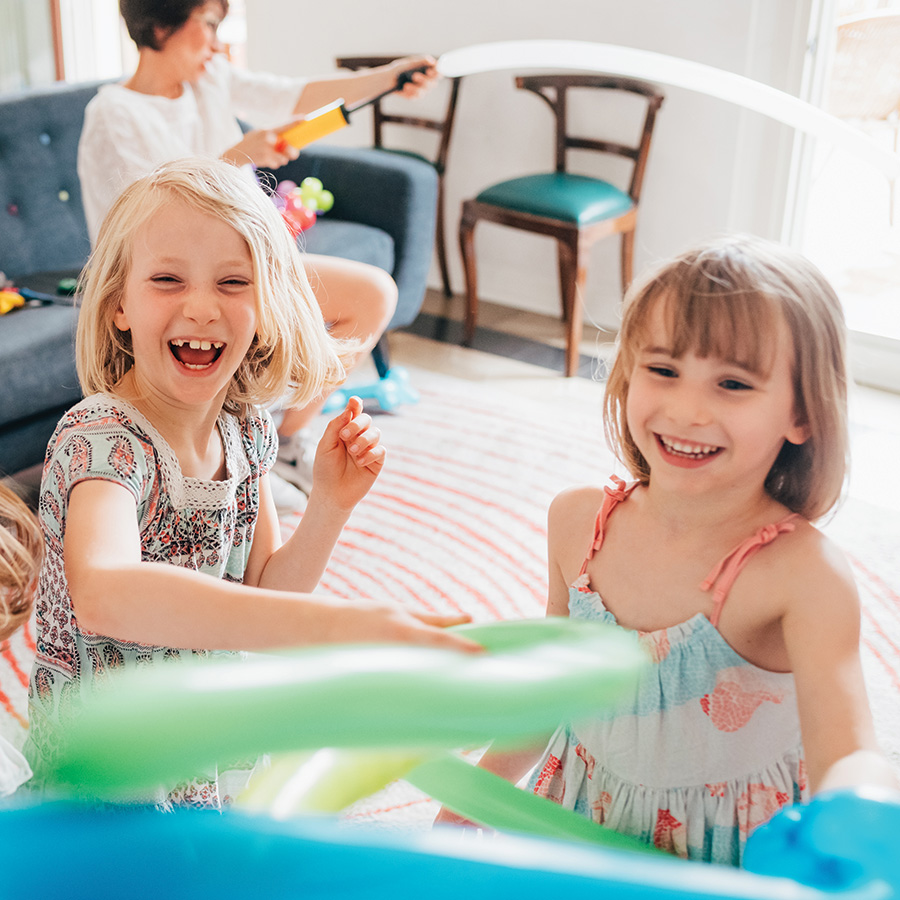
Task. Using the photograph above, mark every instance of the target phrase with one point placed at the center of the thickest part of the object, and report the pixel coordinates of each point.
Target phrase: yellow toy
(9, 300)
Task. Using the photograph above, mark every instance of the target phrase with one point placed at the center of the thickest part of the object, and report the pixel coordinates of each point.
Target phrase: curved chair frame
(573, 241)
(443, 126)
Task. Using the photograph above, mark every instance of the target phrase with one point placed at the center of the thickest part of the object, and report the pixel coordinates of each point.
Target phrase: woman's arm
(821, 628)
(355, 87)
(116, 594)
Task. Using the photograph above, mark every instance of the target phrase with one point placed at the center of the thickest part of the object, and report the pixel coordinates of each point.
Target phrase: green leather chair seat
(559, 195)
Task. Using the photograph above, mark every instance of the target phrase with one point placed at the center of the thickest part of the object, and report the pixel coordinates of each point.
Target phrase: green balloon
(326, 201)
(311, 184)
(489, 800)
(155, 727)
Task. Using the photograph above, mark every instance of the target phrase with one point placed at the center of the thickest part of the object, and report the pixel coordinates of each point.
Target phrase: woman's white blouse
(127, 134)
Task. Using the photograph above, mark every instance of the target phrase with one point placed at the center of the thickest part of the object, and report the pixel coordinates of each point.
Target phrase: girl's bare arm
(114, 593)
(821, 628)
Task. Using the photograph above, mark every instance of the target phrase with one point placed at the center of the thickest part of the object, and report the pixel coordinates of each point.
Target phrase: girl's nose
(689, 406)
(201, 306)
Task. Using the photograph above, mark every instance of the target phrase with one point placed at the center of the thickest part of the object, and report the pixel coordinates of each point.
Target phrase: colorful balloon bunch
(301, 205)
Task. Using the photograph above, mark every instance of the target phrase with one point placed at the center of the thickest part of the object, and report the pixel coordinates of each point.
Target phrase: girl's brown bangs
(736, 326)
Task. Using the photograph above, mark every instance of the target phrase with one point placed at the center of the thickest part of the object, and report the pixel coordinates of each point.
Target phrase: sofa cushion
(351, 240)
(37, 361)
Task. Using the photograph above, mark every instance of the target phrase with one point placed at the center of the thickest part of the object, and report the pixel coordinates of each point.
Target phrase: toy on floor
(388, 391)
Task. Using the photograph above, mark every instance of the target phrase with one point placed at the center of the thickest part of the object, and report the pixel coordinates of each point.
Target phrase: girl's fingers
(443, 621)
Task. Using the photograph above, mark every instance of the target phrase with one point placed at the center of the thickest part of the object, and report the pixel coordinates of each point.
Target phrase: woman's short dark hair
(144, 17)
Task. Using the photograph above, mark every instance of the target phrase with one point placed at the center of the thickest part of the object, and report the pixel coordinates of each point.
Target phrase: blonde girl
(160, 531)
(727, 403)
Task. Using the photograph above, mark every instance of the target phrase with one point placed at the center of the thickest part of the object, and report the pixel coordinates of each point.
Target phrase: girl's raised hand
(349, 457)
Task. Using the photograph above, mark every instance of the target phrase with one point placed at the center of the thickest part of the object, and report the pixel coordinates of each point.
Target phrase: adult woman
(184, 99)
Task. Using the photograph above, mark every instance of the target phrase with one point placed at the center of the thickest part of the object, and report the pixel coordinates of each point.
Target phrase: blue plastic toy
(392, 389)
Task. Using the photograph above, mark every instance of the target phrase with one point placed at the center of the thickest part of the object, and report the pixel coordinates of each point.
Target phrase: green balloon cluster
(315, 196)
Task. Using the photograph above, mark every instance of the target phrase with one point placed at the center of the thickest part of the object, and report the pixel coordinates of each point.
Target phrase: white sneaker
(296, 456)
(288, 499)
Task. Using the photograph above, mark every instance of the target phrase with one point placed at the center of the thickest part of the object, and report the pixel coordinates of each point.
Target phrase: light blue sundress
(706, 749)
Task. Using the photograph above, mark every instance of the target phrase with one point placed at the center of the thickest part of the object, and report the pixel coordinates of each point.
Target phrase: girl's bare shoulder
(810, 564)
(577, 503)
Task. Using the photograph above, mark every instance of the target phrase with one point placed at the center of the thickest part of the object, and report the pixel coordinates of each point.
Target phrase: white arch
(693, 76)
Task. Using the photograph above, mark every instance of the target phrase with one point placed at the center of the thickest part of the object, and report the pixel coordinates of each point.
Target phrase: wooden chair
(575, 210)
(443, 126)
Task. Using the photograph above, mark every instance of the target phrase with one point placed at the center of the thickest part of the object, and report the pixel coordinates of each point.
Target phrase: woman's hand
(348, 459)
(261, 147)
(420, 81)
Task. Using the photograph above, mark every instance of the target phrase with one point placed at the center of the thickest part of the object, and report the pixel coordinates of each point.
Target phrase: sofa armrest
(395, 193)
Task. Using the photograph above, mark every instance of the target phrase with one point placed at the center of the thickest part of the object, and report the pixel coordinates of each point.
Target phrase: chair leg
(627, 260)
(467, 249)
(440, 240)
(572, 255)
(566, 277)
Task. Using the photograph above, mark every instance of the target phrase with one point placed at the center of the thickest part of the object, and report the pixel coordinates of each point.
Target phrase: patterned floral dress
(706, 749)
(206, 526)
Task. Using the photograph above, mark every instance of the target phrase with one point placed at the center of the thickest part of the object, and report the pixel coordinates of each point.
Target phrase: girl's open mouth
(196, 354)
(687, 449)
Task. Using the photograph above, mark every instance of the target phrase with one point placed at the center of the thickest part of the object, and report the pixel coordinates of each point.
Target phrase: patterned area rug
(457, 522)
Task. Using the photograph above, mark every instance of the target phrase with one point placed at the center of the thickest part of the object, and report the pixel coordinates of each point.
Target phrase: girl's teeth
(198, 345)
(688, 449)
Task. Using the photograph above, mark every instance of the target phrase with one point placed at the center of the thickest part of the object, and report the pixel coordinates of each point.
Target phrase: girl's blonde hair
(727, 298)
(292, 357)
(20, 559)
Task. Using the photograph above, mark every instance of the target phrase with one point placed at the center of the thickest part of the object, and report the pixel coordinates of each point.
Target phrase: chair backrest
(380, 118)
(553, 90)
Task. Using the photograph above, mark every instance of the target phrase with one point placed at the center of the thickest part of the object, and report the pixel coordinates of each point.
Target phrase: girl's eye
(663, 371)
(732, 384)
(164, 279)
(235, 282)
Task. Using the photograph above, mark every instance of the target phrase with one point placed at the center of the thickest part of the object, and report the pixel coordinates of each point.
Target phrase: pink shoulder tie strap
(727, 570)
(612, 497)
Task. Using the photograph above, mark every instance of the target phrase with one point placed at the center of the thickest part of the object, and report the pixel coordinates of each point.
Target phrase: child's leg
(357, 301)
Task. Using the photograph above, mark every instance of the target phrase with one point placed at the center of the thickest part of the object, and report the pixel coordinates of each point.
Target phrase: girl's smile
(197, 355)
(686, 453)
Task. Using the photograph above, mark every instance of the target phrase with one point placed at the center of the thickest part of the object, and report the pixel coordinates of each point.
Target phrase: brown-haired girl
(727, 403)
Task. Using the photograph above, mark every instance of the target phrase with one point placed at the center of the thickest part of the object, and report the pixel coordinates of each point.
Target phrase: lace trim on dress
(187, 492)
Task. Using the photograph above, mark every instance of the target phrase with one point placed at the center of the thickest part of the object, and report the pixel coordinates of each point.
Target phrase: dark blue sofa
(384, 214)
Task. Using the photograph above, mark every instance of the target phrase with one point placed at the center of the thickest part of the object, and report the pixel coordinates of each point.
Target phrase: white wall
(712, 167)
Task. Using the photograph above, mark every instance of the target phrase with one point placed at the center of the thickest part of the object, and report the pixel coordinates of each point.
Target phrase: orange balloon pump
(334, 116)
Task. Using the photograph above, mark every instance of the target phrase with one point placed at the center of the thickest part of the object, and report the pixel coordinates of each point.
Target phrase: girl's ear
(120, 320)
(799, 433)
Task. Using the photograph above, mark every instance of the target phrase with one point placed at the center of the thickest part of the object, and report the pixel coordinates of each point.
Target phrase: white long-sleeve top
(127, 134)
